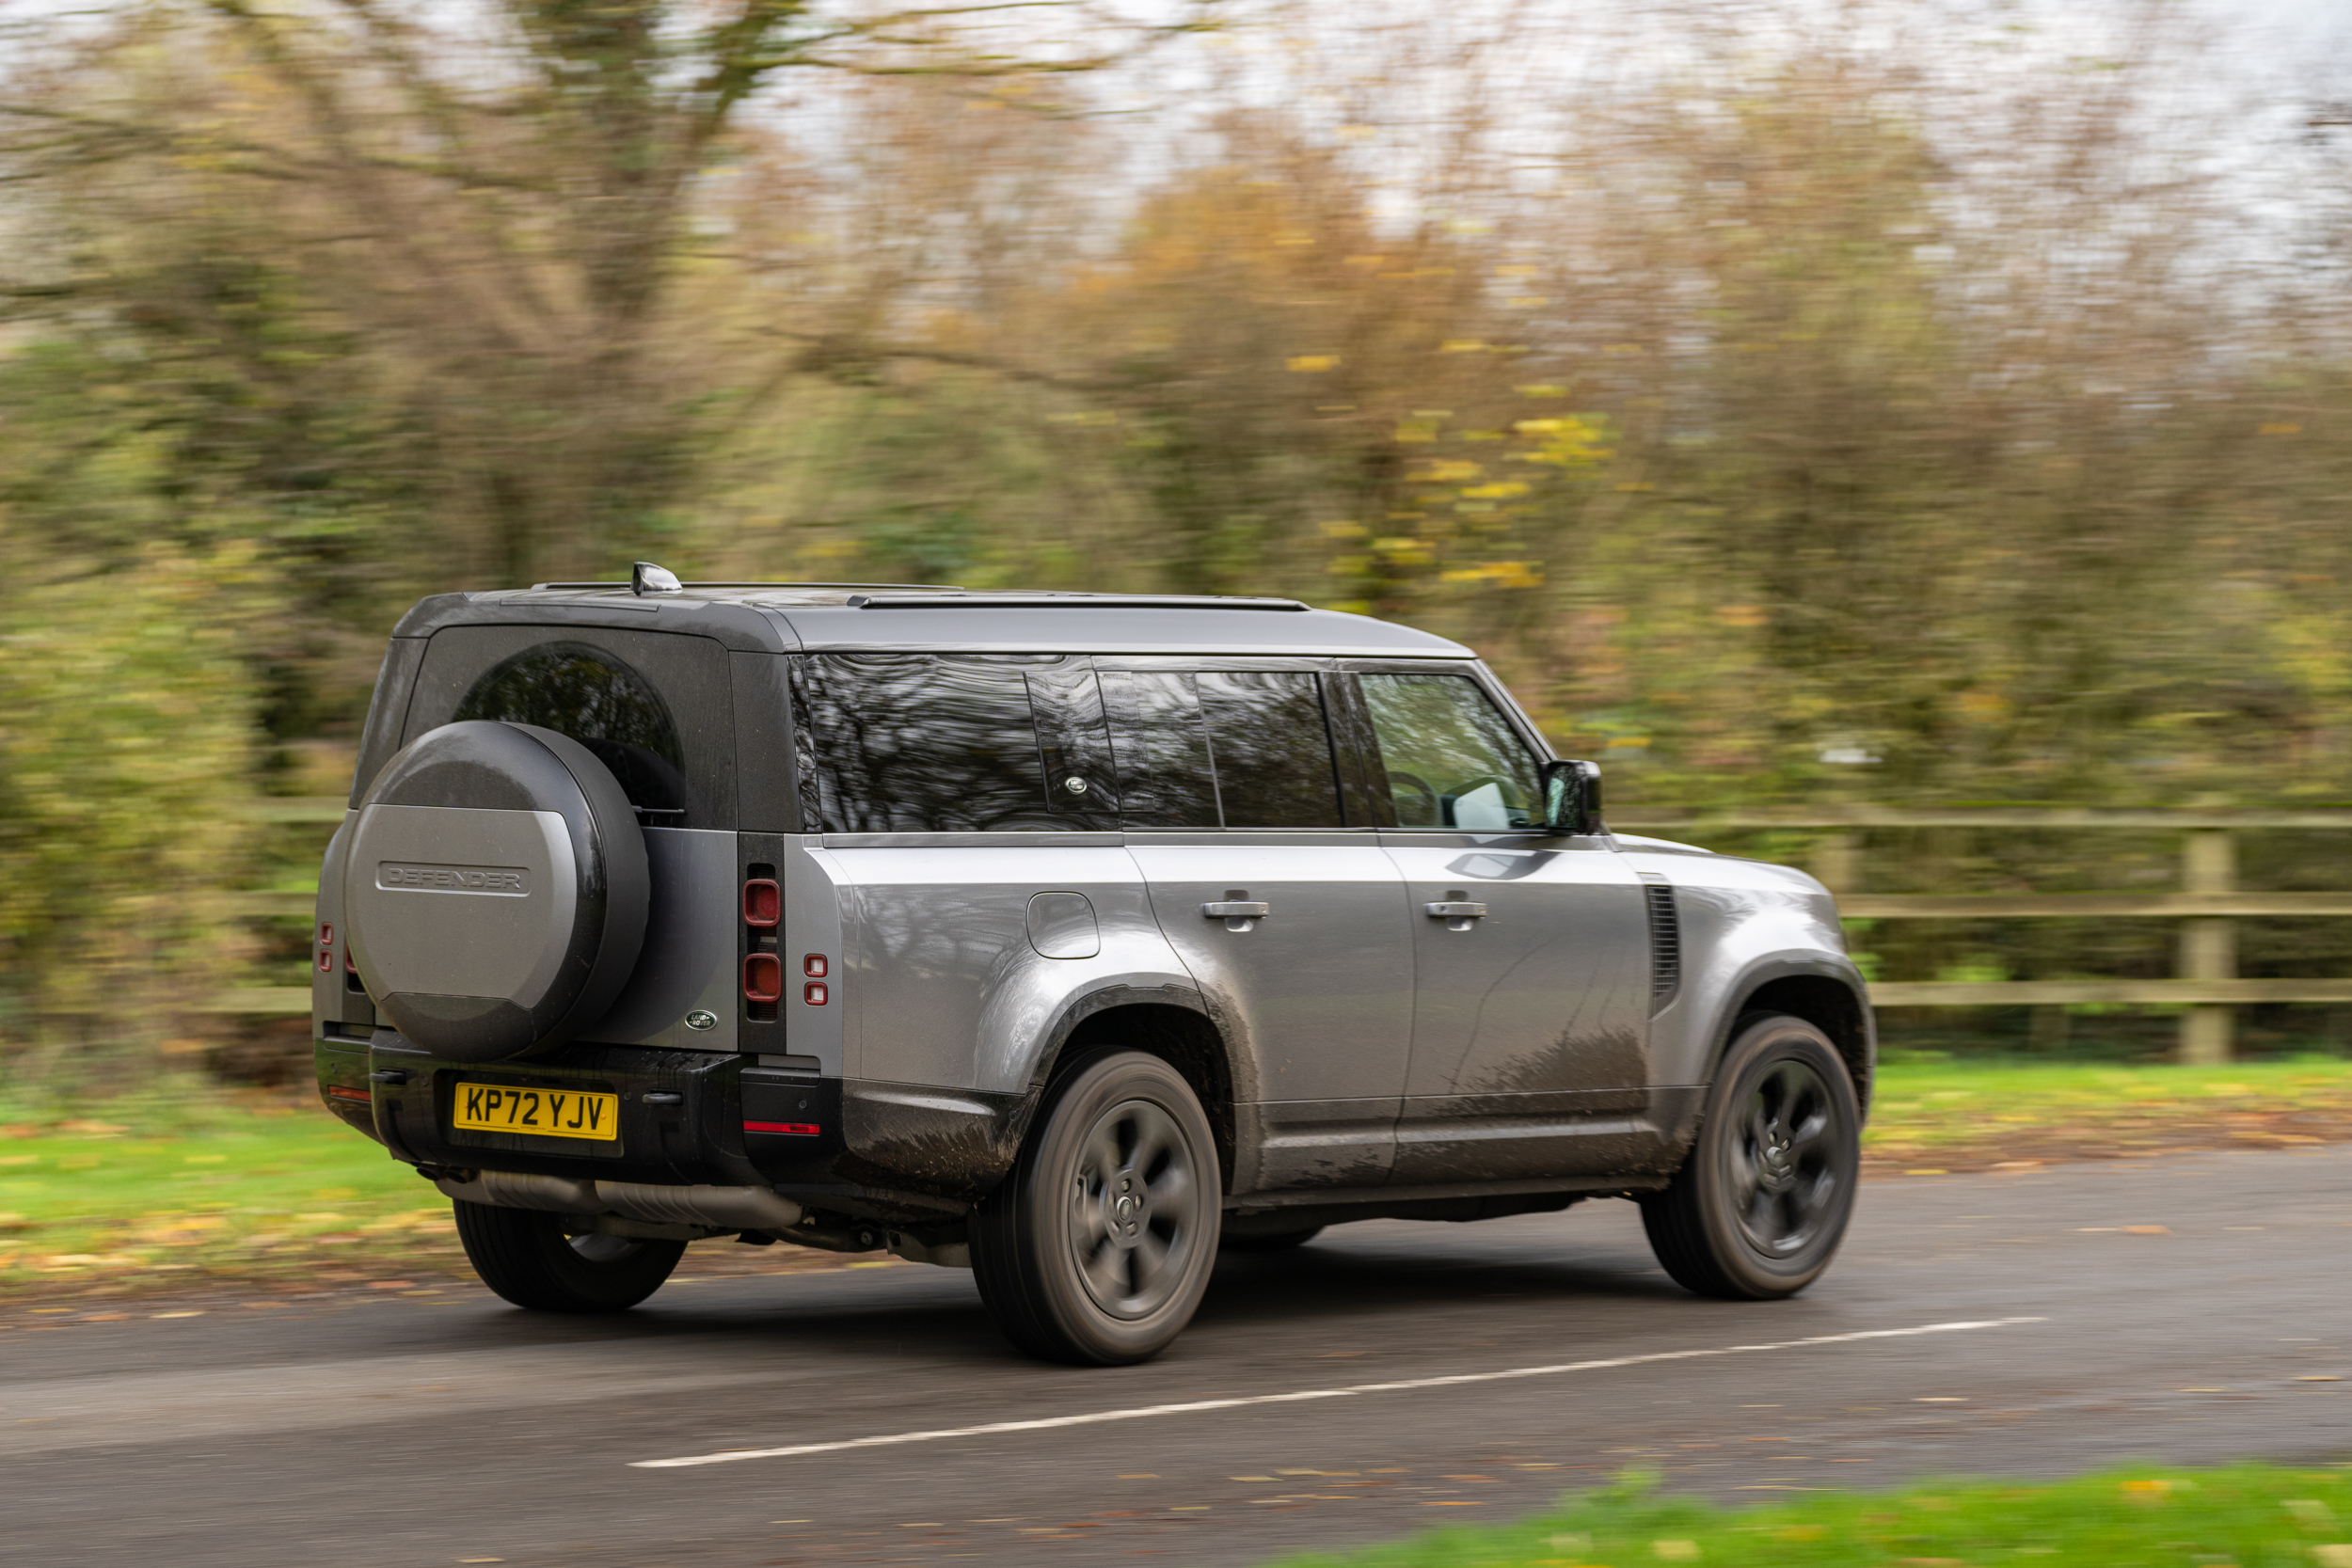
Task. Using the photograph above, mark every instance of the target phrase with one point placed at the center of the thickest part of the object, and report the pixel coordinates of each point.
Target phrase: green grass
(190, 1182)
(1923, 1108)
(2243, 1516)
(178, 1186)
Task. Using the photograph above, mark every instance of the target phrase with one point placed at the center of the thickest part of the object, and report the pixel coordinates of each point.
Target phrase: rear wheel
(1096, 1249)
(1760, 1206)
(524, 1255)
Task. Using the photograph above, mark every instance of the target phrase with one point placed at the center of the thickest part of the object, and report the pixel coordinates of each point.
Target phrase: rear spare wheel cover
(496, 890)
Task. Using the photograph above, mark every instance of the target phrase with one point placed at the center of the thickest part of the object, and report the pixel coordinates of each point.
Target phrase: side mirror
(1572, 797)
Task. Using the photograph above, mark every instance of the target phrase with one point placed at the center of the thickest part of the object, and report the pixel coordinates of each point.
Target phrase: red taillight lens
(763, 978)
(816, 994)
(815, 966)
(360, 1097)
(763, 904)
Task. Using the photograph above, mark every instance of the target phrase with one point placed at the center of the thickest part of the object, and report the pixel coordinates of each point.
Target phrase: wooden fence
(2205, 982)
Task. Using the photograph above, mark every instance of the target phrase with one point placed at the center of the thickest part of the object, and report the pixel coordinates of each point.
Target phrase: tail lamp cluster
(763, 963)
(324, 959)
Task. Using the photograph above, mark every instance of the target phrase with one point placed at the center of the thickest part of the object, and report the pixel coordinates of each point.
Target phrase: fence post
(1837, 861)
(2208, 942)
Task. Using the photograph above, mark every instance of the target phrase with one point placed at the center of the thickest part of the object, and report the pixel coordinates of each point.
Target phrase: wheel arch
(1166, 1023)
(1832, 1003)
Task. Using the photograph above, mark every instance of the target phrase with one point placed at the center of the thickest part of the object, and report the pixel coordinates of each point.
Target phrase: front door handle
(1238, 914)
(1456, 913)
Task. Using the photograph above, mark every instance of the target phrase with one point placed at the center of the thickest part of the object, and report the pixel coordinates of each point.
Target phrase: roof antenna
(646, 577)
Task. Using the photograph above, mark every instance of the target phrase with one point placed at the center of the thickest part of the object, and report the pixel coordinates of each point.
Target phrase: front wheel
(1098, 1246)
(524, 1255)
(1758, 1211)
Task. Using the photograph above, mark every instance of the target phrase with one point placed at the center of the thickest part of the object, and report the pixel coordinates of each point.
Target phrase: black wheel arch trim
(1831, 996)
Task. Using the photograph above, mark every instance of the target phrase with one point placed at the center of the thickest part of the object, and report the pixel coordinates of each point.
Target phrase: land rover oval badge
(698, 1019)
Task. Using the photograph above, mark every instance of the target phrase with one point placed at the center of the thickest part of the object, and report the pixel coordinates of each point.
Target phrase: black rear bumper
(876, 1151)
(686, 1116)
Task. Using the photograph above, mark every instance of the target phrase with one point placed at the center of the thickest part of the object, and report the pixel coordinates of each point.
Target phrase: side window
(597, 699)
(1160, 750)
(1452, 760)
(921, 742)
(1270, 748)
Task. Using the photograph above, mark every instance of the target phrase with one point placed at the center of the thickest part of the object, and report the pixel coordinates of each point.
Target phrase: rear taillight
(815, 993)
(763, 904)
(763, 978)
(358, 1097)
(815, 966)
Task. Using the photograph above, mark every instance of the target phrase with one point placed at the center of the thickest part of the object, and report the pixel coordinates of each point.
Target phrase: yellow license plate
(541, 1113)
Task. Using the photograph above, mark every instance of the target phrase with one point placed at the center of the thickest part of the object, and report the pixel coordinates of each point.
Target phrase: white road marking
(1139, 1412)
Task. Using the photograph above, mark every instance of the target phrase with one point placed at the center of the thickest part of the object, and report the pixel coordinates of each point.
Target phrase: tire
(524, 1255)
(1283, 1241)
(1758, 1209)
(1070, 1272)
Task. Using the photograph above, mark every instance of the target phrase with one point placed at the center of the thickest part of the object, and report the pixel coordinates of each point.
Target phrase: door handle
(1238, 914)
(1456, 913)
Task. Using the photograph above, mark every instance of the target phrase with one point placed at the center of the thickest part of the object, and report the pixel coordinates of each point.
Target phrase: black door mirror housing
(1572, 797)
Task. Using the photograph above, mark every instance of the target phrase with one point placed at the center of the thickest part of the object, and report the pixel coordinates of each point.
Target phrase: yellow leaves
(1312, 363)
(1088, 418)
(1543, 390)
(2154, 1489)
(1675, 1551)
(1448, 471)
(1342, 528)
(1501, 490)
(1742, 615)
(1498, 574)
(2281, 429)
(1982, 708)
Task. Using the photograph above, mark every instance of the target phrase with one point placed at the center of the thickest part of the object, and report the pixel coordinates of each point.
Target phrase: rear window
(594, 698)
(655, 707)
(1222, 748)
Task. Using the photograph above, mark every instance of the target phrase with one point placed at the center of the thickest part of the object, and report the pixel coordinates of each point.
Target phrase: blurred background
(1865, 427)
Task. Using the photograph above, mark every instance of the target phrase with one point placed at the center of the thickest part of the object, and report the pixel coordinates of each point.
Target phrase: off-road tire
(1065, 1271)
(524, 1255)
(1758, 1209)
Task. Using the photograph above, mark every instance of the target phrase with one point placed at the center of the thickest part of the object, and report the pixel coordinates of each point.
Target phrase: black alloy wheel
(526, 1255)
(1098, 1246)
(1758, 1209)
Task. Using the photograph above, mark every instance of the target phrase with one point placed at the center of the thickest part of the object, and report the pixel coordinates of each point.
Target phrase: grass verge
(1958, 1115)
(2258, 1515)
(191, 1184)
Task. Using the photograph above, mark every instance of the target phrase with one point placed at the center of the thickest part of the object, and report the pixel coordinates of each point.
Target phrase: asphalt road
(444, 1427)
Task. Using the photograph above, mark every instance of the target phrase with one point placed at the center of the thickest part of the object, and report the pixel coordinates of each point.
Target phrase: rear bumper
(686, 1117)
(692, 1118)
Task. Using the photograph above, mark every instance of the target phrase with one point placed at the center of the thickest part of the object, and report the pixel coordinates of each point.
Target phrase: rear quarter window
(948, 743)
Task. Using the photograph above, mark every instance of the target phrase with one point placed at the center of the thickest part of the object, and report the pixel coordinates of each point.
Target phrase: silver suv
(1064, 937)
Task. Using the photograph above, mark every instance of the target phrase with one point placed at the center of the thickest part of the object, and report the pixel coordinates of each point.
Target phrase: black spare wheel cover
(496, 890)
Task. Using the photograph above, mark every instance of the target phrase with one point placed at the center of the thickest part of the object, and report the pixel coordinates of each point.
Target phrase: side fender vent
(1665, 942)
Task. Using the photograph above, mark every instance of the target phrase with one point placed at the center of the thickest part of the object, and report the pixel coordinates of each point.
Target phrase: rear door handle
(1238, 914)
(1456, 913)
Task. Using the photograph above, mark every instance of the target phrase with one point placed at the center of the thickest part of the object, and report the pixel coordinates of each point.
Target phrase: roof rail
(619, 587)
(1063, 601)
